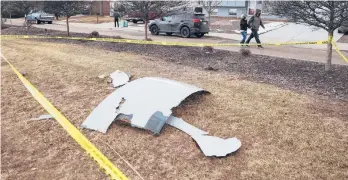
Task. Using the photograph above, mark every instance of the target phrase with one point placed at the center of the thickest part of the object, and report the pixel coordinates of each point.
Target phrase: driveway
(136, 31)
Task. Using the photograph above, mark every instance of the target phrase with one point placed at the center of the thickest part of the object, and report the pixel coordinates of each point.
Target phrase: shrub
(208, 49)
(95, 34)
(245, 52)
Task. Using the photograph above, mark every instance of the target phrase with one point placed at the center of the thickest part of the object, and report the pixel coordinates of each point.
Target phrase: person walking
(116, 19)
(254, 23)
(243, 28)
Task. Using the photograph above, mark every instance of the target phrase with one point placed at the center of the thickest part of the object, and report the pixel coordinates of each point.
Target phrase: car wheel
(154, 30)
(169, 33)
(185, 32)
(135, 21)
(49, 22)
(38, 22)
(199, 35)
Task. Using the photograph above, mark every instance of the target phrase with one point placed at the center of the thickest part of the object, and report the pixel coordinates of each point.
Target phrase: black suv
(185, 24)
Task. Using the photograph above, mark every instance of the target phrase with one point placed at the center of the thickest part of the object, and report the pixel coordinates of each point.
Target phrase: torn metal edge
(215, 146)
(210, 145)
(184, 126)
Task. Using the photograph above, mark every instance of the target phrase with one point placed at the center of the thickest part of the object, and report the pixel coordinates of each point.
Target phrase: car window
(177, 17)
(199, 16)
(187, 16)
(168, 18)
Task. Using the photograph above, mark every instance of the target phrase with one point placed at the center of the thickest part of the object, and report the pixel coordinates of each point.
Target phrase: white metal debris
(147, 104)
(119, 78)
(148, 100)
(210, 145)
(43, 117)
(215, 146)
(184, 126)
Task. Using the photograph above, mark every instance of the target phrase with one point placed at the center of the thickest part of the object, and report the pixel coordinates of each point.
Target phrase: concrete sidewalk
(237, 37)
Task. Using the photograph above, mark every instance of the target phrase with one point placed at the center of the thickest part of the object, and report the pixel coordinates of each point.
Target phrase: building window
(232, 12)
(214, 12)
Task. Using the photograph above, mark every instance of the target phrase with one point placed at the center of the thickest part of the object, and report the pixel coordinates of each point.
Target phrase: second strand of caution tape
(110, 169)
(154, 42)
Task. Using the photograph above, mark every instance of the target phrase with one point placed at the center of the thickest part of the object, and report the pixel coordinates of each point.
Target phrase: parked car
(39, 17)
(132, 19)
(185, 24)
(343, 28)
(135, 17)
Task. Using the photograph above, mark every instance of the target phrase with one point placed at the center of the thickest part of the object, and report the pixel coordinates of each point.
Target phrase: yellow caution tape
(110, 169)
(330, 38)
(339, 52)
(154, 42)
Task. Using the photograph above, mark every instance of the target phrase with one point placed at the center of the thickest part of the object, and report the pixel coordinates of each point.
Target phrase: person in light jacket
(243, 28)
(254, 23)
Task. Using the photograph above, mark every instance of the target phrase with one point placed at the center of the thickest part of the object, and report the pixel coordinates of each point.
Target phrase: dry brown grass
(284, 135)
(90, 19)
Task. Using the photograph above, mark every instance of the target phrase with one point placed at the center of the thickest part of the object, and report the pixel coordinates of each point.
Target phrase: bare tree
(210, 6)
(15, 8)
(66, 8)
(5, 6)
(120, 8)
(146, 9)
(327, 15)
(53, 7)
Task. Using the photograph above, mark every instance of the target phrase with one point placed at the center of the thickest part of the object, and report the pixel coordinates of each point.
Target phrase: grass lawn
(284, 135)
(89, 19)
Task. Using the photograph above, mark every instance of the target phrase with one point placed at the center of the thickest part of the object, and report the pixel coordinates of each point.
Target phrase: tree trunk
(67, 25)
(97, 18)
(11, 17)
(56, 16)
(209, 19)
(145, 29)
(329, 52)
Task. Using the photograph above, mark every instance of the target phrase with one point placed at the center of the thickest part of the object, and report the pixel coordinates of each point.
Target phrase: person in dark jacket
(254, 23)
(243, 28)
(116, 17)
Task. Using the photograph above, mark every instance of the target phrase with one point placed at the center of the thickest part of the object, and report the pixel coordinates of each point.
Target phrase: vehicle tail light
(196, 20)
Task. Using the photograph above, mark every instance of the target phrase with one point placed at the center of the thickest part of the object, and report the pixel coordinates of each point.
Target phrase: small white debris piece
(215, 146)
(43, 117)
(119, 78)
(23, 73)
(184, 126)
(103, 76)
